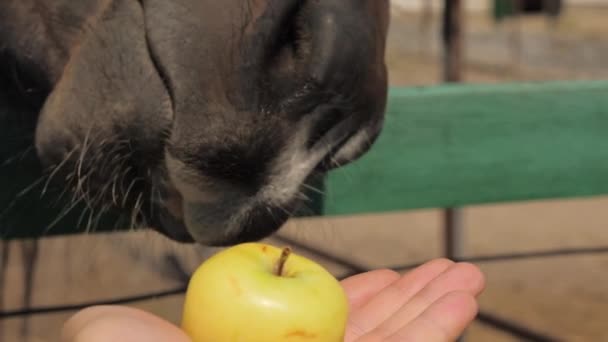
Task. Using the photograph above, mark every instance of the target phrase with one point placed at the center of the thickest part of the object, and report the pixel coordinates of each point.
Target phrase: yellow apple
(256, 292)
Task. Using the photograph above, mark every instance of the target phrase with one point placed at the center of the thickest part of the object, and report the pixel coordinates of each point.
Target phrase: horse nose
(230, 222)
(315, 48)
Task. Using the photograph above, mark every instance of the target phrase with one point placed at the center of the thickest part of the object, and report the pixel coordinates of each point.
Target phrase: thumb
(119, 323)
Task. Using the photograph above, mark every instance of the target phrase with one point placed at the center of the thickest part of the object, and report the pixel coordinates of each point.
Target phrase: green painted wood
(503, 9)
(457, 145)
(443, 146)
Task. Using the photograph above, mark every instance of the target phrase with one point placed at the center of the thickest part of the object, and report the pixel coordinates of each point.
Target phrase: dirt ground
(566, 297)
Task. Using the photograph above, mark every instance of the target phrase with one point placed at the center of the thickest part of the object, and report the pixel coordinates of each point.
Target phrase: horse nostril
(291, 46)
(274, 29)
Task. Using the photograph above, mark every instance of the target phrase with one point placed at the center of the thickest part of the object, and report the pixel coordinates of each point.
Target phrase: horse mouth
(220, 223)
(168, 220)
(223, 215)
(174, 228)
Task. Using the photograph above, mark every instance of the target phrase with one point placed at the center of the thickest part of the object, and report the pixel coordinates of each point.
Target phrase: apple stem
(282, 259)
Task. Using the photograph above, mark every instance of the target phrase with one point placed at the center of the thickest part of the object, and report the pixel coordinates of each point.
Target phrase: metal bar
(536, 254)
(514, 329)
(453, 233)
(452, 72)
(74, 307)
(485, 318)
(454, 240)
(452, 34)
(503, 257)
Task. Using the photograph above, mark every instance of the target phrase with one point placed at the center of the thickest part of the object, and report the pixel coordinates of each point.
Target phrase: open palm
(433, 303)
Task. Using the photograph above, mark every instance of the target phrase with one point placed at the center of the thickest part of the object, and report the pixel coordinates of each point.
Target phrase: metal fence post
(452, 72)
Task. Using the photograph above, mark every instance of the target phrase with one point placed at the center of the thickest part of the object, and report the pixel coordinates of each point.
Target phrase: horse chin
(173, 228)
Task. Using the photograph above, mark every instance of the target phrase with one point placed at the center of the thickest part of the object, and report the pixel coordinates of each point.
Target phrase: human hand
(433, 303)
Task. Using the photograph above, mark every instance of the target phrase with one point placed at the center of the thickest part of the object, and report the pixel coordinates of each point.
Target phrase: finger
(392, 298)
(86, 317)
(362, 287)
(443, 321)
(115, 323)
(459, 277)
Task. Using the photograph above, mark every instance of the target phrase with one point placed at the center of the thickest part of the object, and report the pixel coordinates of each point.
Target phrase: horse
(204, 120)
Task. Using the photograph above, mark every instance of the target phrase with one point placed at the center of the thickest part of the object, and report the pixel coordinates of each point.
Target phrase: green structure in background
(503, 9)
(460, 145)
(443, 146)
(508, 8)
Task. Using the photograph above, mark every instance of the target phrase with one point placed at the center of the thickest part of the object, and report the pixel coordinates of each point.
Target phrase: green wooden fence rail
(442, 146)
(503, 9)
(457, 145)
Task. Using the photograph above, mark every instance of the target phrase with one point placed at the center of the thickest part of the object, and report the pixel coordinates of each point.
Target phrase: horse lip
(169, 216)
(174, 228)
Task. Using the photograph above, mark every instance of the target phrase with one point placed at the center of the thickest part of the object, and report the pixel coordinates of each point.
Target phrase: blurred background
(565, 297)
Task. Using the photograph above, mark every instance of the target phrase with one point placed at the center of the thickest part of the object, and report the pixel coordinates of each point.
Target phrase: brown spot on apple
(234, 283)
(264, 249)
(300, 334)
